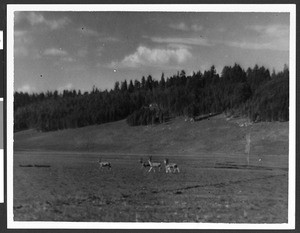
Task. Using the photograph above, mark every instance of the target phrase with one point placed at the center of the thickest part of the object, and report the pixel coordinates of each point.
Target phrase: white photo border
(280, 8)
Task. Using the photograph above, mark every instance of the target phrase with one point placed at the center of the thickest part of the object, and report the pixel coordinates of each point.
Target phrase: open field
(56, 175)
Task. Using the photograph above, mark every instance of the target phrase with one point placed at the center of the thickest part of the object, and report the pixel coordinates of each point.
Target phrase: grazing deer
(104, 164)
(171, 166)
(153, 165)
(144, 164)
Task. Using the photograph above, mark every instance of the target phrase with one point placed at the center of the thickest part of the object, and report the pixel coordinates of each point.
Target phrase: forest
(254, 93)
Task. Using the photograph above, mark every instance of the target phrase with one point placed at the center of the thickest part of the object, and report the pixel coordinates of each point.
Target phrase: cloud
(22, 37)
(60, 55)
(179, 26)
(58, 23)
(179, 46)
(26, 88)
(68, 86)
(144, 56)
(67, 59)
(196, 28)
(183, 40)
(55, 52)
(279, 45)
(270, 37)
(183, 27)
(276, 30)
(19, 34)
(22, 40)
(35, 19)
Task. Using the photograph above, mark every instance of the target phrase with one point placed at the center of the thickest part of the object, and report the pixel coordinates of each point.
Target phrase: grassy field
(57, 178)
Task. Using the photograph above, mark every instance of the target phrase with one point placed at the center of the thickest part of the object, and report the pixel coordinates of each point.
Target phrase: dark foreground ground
(218, 188)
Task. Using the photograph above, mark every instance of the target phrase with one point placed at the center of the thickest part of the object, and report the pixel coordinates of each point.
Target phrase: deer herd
(169, 167)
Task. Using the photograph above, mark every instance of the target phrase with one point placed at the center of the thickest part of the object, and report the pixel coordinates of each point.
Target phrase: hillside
(255, 94)
(177, 137)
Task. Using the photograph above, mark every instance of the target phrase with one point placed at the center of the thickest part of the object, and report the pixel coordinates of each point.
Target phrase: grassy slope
(217, 135)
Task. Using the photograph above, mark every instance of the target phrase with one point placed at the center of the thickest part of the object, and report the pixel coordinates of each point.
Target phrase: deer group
(169, 167)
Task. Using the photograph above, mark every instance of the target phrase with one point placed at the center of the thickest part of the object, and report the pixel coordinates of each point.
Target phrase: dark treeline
(254, 93)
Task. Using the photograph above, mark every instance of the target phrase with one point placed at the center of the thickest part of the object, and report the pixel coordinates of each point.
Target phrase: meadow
(57, 177)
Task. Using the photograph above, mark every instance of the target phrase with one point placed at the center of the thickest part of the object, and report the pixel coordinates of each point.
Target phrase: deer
(153, 165)
(144, 164)
(104, 164)
(171, 166)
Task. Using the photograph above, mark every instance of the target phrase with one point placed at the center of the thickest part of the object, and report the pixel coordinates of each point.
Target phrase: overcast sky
(76, 50)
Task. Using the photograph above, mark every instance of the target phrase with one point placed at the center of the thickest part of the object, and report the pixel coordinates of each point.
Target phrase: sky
(79, 50)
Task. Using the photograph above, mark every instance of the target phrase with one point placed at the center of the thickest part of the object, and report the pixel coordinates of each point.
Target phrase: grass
(217, 135)
(74, 189)
(214, 184)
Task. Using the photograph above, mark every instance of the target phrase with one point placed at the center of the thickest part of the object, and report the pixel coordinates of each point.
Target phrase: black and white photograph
(151, 116)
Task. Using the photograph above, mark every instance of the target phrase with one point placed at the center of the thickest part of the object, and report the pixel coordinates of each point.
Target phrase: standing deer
(104, 164)
(171, 166)
(144, 164)
(153, 165)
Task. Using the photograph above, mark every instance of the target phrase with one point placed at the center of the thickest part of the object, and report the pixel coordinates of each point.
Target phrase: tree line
(254, 93)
